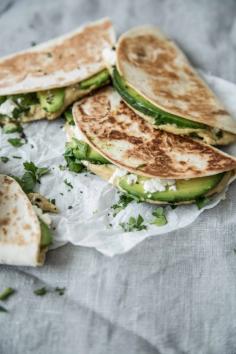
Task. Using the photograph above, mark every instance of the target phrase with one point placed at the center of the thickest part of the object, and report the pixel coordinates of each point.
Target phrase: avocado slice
(96, 80)
(77, 151)
(46, 235)
(142, 105)
(185, 189)
(52, 100)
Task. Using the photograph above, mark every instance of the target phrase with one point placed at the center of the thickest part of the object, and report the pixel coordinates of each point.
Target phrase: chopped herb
(4, 159)
(49, 55)
(235, 250)
(32, 176)
(16, 142)
(70, 207)
(134, 224)
(3, 309)
(6, 293)
(61, 193)
(160, 218)
(60, 291)
(173, 207)
(37, 172)
(69, 117)
(68, 183)
(16, 157)
(122, 203)
(201, 202)
(33, 44)
(53, 201)
(62, 167)
(41, 291)
(12, 128)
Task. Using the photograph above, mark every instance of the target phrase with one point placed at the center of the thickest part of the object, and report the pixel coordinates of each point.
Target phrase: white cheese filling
(43, 216)
(132, 179)
(7, 107)
(119, 172)
(109, 56)
(153, 185)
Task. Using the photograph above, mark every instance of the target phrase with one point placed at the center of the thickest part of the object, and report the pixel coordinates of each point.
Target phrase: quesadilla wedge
(156, 80)
(148, 164)
(43, 81)
(24, 230)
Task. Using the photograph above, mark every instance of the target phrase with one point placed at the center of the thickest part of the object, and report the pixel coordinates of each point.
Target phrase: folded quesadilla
(156, 80)
(24, 229)
(148, 164)
(43, 81)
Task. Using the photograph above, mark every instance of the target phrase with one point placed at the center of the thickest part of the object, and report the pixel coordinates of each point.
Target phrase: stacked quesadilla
(25, 232)
(149, 164)
(155, 79)
(43, 81)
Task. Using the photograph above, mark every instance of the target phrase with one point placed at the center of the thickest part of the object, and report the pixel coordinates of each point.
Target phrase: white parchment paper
(85, 217)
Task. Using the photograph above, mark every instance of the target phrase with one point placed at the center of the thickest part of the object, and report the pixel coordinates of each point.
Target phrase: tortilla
(129, 142)
(19, 227)
(158, 70)
(58, 63)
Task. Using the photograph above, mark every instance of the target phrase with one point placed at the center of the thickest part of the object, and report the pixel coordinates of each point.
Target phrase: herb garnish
(41, 291)
(3, 309)
(16, 142)
(60, 291)
(16, 157)
(4, 159)
(160, 218)
(201, 202)
(134, 224)
(122, 203)
(68, 183)
(6, 293)
(32, 176)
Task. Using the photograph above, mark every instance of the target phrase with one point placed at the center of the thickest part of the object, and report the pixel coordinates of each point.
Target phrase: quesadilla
(24, 229)
(148, 164)
(156, 80)
(43, 81)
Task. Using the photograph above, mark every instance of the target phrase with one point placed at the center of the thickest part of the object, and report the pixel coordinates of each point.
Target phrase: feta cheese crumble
(109, 56)
(119, 172)
(43, 216)
(153, 185)
(132, 179)
(7, 108)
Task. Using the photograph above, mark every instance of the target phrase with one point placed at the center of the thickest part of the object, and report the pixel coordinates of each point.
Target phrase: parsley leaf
(60, 291)
(6, 293)
(3, 309)
(31, 176)
(17, 142)
(4, 159)
(134, 224)
(201, 202)
(68, 183)
(41, 291)
(122, 203)
(160, 218)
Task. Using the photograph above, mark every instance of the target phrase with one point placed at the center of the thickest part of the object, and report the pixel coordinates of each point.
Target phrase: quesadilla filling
(167, 121)
(48, 104)
(79, 155)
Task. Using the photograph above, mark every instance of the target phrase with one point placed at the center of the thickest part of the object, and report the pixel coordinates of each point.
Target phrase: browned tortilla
(129, 142)
(156, 68)
(57, 63)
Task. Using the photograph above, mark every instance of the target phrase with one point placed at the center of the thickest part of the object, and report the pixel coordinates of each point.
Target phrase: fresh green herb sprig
(68, 184)
(122, 203)
(6, 293)
(134, 224)
(4, 159)
(31, 176)
(160, 218)
(16, 142)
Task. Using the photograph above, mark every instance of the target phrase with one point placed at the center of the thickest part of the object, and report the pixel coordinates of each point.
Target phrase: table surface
(171, 294)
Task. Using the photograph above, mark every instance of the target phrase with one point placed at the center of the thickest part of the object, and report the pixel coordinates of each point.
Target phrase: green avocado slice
(186, 190)
(96, 80)
(52, 100)
(46, 235)
(142, 105)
